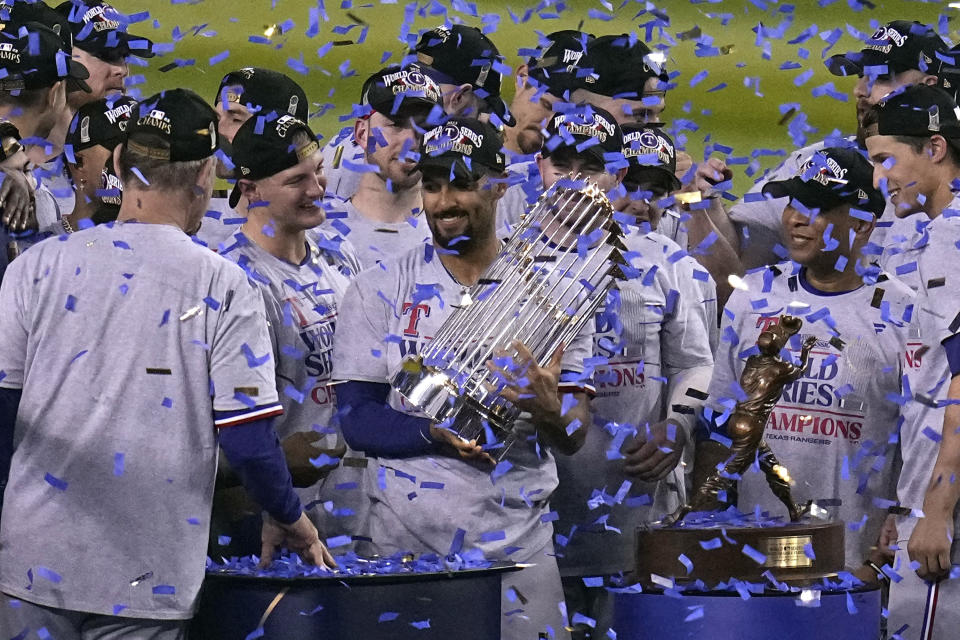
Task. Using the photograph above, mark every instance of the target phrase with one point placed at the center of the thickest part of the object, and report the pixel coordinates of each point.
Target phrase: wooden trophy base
(794, 552)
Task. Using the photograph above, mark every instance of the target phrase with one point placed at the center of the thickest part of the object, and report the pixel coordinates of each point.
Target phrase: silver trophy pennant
(546, 283)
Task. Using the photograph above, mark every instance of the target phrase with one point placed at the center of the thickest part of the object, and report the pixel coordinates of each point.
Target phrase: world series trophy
(800, 550)
(546, 283)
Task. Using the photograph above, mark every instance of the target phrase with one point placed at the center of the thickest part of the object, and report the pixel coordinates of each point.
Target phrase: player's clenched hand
(530, 387)
(466, 449)
(300, 536)
(655, 451)
(709, 174)
(930, 546)
(298, 449)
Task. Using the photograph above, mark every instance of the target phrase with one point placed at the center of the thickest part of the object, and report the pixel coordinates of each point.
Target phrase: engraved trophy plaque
(547, 282)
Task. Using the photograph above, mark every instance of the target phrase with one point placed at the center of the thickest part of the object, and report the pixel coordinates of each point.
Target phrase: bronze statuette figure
(763, 379)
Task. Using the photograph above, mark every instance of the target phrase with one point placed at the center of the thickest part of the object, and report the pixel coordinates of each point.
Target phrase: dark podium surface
(849, 614)
(462, 604)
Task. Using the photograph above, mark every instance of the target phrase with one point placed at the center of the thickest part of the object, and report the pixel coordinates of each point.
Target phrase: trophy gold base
(794, 553)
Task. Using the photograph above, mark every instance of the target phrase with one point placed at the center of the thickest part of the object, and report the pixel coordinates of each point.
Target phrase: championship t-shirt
(302, 302)
(651, 345)
(926, 262)
(419, 503)
(835, 427)
(125, 338)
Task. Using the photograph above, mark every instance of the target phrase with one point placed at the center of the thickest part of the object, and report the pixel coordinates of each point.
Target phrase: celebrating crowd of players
(149, 323)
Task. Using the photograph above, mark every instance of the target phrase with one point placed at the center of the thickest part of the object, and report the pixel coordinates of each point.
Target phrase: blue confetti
(55, 482)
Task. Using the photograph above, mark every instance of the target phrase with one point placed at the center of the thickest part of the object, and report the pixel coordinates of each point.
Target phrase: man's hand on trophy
(653, 453)
(535, 389)
(466, 449)
(530, 387)
(929, 546)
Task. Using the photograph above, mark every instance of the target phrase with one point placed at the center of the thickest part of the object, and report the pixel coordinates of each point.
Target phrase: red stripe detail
(251, 417)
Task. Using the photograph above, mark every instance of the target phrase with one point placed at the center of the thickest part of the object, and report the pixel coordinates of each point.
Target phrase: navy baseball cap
(262, 149)
(555, 66)
(588, 129)
(264, 90)
(460, 145)
(895, 47)
(399, 93)
(829, 178)
(35, 57)
(651, 150)
(101, 122)
(179, 117)
(619, 66)
(101, 30)
(459, 54)
(917, 110)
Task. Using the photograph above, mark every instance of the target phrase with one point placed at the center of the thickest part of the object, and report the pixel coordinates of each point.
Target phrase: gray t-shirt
(526, 185)
(302, 302)
(653, 336)
(220, 223)
(419, 503)
(375, 241)
(833, 428)
(926, 262)
(343, 174)
(125, 339)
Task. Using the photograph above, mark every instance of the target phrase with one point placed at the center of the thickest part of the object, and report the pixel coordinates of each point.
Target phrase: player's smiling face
(804, 236)
(900, 172)
(293, 196)
(566, 161)
(461, 214)
(391, 145)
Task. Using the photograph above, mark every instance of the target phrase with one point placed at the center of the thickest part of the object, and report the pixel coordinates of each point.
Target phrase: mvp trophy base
(459, 604)
(793, 553)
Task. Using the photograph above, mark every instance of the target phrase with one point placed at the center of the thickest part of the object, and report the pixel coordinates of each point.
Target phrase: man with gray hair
(117, 435)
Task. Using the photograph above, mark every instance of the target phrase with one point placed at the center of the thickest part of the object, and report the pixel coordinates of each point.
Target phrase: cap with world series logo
(101, 122)
(458, 55)
(830, 178)
(893, 48)
(263, 148)
(401, 93)
(264, 90)
(464, 146)
(651, 151)
(555, 66)
(589, 130)
(34, 57)
(175, 125)
(101, 30)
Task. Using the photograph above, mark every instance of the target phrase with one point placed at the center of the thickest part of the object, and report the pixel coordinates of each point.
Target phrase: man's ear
(116, 160)
(461, 99)
(929, 80)
(523, 71)
(621, 174)
(360, 132)
(938, 148)
(499, 187)
(863, 228)
(248, 189)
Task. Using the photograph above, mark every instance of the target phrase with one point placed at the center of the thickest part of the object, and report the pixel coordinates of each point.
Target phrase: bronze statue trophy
(800, 551)
(763, 379)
